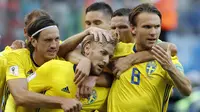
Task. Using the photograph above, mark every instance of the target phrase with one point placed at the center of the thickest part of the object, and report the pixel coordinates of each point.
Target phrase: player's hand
(99, 34)
(120, 65)
(116, 34)
(18, 44)
(163, 57)
(71, 105)
(82, 71)
(165, 45)
(85, 88)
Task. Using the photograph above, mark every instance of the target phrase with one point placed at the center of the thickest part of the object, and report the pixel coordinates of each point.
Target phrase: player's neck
(38, 59)
(138, 47)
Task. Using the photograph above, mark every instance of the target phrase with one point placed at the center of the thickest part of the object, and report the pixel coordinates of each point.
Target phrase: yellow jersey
(59, 81)
(19, 65)
(144, 87)
(3, 64)
(6, 50)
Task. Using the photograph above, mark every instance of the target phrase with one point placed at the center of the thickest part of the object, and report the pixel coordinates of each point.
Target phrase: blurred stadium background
(70, 15)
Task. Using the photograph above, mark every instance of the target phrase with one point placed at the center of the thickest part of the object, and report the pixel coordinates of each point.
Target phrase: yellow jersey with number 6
(145, 87)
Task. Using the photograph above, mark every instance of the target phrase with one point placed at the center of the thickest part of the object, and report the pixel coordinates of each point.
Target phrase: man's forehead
(123, 19)
(148, 18)
(108, 47)
(50, 32)
(99, 15)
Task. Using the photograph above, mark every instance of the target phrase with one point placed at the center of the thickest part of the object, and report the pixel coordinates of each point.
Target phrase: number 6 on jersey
(135, 78)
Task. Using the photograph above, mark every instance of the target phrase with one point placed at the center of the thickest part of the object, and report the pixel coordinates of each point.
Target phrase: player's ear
(33, 42)
(133, 29)
(87, 48)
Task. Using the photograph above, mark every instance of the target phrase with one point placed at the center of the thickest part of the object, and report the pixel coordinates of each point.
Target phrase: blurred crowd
(69, 15)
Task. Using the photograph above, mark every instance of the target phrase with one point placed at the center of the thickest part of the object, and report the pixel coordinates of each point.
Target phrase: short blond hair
(90, 39)
(34, 14)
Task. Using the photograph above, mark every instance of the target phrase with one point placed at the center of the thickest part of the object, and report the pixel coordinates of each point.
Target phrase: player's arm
(75, 56)
(18, 86)
(178, 78)
(72, 42)
(23, 97)
(85, 88)
(173, 48)
(180, 81)
(122, 64)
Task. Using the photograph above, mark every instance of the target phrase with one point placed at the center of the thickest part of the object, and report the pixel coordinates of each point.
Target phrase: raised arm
(75, 56)
(72, 42)
(174, 71)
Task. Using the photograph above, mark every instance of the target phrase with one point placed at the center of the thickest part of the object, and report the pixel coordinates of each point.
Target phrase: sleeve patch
(14, 70)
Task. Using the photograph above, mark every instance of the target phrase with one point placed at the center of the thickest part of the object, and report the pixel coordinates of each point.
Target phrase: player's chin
(52, 56)
(149, 46)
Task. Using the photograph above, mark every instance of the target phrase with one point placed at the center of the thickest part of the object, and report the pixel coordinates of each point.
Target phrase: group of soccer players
(117, 64)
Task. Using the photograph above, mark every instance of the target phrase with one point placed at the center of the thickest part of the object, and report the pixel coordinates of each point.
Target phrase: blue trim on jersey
(134, 49)
(74, 67)
(31, 55)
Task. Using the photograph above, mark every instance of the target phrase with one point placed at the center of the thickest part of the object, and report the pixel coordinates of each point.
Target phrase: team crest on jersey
(92, 97)
(14, 70)
(151, 67)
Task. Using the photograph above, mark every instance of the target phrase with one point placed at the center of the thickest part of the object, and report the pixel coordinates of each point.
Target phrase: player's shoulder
(21, 52)
(123, 49)
(58, 63)
(6, 51)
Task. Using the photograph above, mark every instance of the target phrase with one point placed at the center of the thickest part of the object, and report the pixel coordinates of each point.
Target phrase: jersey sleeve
(41, 80)
(15, 66)
(6, 51)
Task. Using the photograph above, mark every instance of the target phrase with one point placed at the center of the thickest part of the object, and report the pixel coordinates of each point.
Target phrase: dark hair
(121, 12)
(39, 23)
(146, 7)
(34, 14)
(100, 6)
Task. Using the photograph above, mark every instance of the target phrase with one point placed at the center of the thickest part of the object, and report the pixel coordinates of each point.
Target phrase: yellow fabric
(3, 64)
(123, 49)
(19, 65)
(6, 50)
(144, 87)
(59, 76)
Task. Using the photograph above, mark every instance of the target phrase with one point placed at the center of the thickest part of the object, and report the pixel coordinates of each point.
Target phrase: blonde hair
(90, 39)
